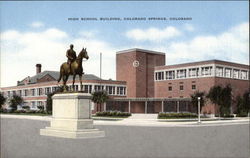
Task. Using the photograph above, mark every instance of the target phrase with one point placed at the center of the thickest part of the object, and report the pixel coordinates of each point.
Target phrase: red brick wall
(239, 87)
(140, 80)
(137, 107)
(202, 84)
(126, 72)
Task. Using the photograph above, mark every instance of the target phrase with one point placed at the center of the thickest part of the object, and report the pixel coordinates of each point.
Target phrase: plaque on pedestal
(72, 117)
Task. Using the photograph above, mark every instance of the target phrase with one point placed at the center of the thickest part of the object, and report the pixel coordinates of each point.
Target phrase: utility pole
(100, 71)
(199, 107)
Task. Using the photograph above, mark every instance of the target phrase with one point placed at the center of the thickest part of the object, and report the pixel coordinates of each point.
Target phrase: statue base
(72, 117)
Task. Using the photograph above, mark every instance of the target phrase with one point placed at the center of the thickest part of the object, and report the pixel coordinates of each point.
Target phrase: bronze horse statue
(76, 69)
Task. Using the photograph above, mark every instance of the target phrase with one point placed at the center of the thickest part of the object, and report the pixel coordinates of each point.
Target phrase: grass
(31, 114)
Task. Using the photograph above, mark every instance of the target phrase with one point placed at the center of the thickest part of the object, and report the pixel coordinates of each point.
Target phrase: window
(206, 71)
(244, 75)
(33, 105)
(170, 75)
(90, 89)
(228, 72)
(193, 87)
(159, 76)
(121, 90)
(236, 73)
(13, 93)
(181, 87)
(40, 103)
(193, 72)
(219, 71)
(47, 90)
(8, 93)
(110, 89)
(76, 87)
(99, 87)
(170, 88)
(181, 73)
(54, 89)
(26, 92)
(39, 91)
(86, 88)
(19, 92)
(33, 92)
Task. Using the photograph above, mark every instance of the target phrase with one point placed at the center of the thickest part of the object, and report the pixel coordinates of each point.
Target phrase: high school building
(144, 83)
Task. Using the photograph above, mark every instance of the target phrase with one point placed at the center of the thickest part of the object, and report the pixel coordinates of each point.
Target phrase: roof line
(196, 62)
(141, 50)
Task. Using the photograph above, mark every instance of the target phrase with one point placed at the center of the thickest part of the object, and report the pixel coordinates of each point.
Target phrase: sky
(34, 32)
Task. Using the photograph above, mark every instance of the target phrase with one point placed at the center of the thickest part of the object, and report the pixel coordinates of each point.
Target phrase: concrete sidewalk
(145, 122)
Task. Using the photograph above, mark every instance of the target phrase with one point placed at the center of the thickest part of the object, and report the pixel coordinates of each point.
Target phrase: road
(20, 139)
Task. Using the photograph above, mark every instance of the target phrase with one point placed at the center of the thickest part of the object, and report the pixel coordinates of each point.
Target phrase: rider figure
(71, 55)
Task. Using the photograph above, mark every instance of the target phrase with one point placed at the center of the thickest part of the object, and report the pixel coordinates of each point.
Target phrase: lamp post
(199, 107)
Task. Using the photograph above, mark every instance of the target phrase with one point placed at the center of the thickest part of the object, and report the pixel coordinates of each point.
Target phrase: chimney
(38, 68)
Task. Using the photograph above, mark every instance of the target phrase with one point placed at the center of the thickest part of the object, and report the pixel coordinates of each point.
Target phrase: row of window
(181, 87)
(34, 104)
(203, 71)
(111, 90)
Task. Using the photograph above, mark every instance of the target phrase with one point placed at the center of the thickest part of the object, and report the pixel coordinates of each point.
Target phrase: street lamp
(199, 107)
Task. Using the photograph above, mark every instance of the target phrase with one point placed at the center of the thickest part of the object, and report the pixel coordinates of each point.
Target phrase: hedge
(163, 115)
(225, 115)
(113, 113)
(25, 112)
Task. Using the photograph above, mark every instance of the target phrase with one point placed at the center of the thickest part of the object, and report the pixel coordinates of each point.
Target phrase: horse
(76, 69)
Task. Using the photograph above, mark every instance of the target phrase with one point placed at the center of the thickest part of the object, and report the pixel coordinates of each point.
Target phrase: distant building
(145, 84)
(34, 89)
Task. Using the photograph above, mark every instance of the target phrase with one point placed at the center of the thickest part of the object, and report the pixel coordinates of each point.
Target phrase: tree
(49, 102)
(49, 105)
(226, 99)
(246, 101)
(2, 100)
(194, 99)
(243, 103)
(15, 100)
(99, 97)
(221, 97)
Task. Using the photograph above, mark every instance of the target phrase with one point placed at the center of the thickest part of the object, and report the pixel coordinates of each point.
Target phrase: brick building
(145, 84)
(154, 87)
(34, 89)
(182, 80)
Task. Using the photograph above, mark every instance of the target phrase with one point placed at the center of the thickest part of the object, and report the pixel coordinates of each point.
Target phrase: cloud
(153, 34)
(89, 34)
(189, 27)
(231, 45)
(21, 51)
(37, 24)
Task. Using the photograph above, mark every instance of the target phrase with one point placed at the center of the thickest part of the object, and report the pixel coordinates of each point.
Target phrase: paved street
(20, 139)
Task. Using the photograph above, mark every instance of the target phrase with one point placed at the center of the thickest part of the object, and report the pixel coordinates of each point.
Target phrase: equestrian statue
(73, 66)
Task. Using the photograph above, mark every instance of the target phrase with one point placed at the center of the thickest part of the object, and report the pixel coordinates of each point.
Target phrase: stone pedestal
(72, 117)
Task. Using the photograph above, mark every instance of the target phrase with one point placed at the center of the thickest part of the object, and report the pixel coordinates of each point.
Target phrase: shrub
(225, 115)
(176, 115)
(26, 107)
(113, 113)
(40, 107)
(228, 115)
(14, 101)
(242, 114)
